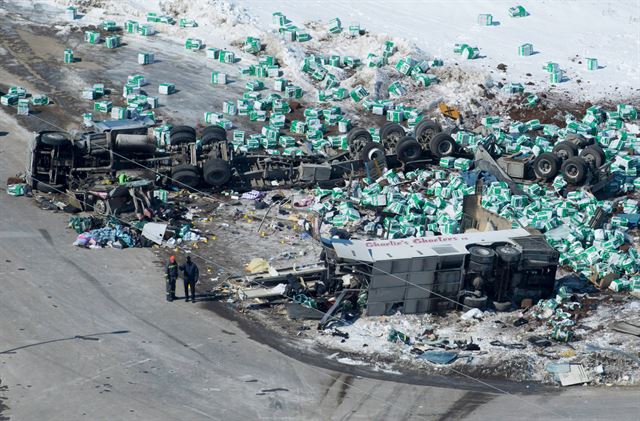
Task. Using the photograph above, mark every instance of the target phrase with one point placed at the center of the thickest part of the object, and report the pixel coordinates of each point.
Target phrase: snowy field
(564, 31)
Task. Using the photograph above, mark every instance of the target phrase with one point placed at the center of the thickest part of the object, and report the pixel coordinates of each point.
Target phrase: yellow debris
(448, 111)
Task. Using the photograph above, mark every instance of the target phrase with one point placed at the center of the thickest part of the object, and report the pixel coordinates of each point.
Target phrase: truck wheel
(182, 129)
(475, 302)
(476, 267)
(216, 172)
(358, 134)
(213, 137)
(101, 207)
(442, 145)
(55, 139)
(508, 254)
(391, 134)
(482, 254)
(408, 149)
(425, 130)
(185, 179)
(574, 170)
(185, 175)
(565, 150)
(370, 151)
(221, 132)
(593, 155)
(546, 165)
(181, 137)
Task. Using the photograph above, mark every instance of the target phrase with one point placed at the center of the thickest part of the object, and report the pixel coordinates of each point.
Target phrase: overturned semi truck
(193, 158)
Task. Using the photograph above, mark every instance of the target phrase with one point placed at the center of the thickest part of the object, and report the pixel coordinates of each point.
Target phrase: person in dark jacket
(191, 274)
(171, 275)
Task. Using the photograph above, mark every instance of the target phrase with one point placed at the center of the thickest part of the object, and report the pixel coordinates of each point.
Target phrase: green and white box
(166, 88)
(396, 90)
(556, 77)
(23, 106)
(102, 106)
(470, 53)
(218, 78)
(119, 113)
(109, 25)
(592, 63)
(335, 26)
(131, 26)
(227, 56)
(71, 12)
(213, 53)
(551, 67)
(112, 41)
(88, 93)
(193, 44)
(517, 12)
(40, 99)
(92, 37)
(485, 19)
(525, 49)
(358, 93)
(68, 56)
(146, 30)
(145, 58)
(187, 23)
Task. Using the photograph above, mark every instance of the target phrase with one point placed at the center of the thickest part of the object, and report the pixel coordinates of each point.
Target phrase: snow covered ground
(565, 32)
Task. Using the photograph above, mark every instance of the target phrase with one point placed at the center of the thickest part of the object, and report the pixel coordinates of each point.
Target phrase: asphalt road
(86, 334)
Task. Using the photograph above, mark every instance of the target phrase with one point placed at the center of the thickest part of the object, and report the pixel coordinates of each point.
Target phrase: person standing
(172, 276)
(191, 274)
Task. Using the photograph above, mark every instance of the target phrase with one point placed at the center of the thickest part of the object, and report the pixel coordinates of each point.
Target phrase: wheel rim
(483, 252)
(100, 207)
(571, 170)
(589, 158)
(426, 135)
(445, 148)
(563, 154)
(544, 166)
(374, 154)
(392, 139)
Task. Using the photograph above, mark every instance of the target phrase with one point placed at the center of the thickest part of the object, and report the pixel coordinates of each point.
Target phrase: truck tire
(574, 170)
(216, 172)
(475, 302)
(182, 129)
(101, 207)
(358, 134)
(185, 179)
(593, 155)
(55, 139)
(391, 134)
(182, 137)
(425, 130)
(565, 150)
(369, 150)
(442, 145)
(185, 167)
(480, 268)
(508, 254)
(481, 254)
(408, 149)
(213, 137)
(546, 165)
(222, 133)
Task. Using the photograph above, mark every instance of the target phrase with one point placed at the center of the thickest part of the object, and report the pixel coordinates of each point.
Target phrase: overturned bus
(497, 269)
